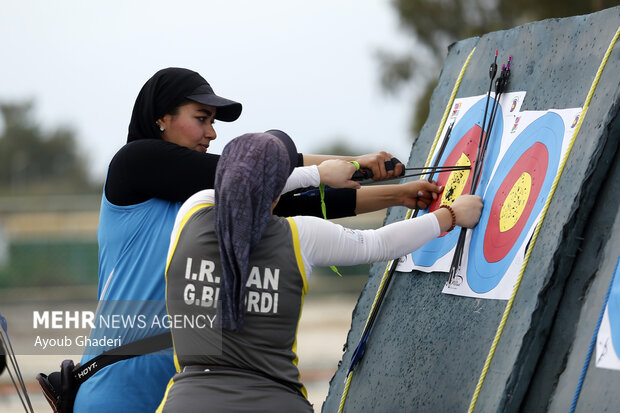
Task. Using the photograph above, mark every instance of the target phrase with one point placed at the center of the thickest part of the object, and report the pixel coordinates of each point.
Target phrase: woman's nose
(210, 132)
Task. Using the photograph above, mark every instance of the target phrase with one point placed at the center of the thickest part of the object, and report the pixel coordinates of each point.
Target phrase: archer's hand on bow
(376, 163)
(337, 173)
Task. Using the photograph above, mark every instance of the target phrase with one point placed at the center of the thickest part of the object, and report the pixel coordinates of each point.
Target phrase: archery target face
(513, 200)
(608, 337)
(614, 313)
(461, 149)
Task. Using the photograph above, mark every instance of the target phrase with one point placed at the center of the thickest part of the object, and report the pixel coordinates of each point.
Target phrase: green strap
(324, 210)
(323, 207)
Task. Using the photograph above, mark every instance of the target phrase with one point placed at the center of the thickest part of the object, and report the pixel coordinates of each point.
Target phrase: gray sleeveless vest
(275, 291)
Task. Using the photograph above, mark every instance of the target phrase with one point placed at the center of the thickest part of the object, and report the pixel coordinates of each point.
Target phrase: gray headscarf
(250, 175)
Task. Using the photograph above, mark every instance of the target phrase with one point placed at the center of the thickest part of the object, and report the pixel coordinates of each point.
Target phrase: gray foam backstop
(427, 349)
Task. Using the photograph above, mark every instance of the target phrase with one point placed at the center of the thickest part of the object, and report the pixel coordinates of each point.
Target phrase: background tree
(339, 146)
(435, 24)
(37, 161)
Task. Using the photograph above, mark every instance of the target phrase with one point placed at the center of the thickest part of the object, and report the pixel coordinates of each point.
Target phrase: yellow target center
(515, 202)
(456, 182)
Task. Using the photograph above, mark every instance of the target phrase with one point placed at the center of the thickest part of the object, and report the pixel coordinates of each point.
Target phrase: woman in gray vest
(164, 162)
(236, 279)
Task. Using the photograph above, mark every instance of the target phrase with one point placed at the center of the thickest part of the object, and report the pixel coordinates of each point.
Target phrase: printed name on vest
(203, 289)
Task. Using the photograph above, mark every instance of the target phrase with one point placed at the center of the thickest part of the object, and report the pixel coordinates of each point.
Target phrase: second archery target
(513, 200)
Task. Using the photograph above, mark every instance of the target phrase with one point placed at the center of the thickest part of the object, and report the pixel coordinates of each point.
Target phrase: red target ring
(468, 146)
(501, 236)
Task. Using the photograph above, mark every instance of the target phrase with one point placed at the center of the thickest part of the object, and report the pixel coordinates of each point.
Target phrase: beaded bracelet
(449, 208)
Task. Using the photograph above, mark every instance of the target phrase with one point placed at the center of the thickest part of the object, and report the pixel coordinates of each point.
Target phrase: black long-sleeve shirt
(152, 168)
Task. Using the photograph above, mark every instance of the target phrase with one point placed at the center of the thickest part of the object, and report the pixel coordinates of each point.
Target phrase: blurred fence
(48, 240)
(52, 241)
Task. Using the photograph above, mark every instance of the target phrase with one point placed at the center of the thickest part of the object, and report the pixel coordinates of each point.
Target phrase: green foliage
(435, 24)
(340, 147)
(44, 263)
(37, 161)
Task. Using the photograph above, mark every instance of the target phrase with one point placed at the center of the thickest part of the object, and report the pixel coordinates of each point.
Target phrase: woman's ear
(162, 123)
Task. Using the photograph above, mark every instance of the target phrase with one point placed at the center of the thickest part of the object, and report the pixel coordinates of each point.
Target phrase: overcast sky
(308, 68)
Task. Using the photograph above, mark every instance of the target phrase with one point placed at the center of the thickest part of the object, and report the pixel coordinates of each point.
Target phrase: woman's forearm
(374, 198)
(310, 159)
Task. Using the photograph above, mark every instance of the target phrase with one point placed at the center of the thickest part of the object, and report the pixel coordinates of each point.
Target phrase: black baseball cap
(227, 110)
(291, 149)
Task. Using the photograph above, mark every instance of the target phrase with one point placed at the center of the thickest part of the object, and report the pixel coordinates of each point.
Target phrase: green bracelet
(357, 165)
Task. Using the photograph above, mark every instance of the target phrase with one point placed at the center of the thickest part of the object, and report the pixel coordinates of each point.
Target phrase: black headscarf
(251, 173)
(163, 92)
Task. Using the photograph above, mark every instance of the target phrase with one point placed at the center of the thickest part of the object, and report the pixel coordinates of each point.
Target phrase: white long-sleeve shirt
(324, 243)
(302, 177)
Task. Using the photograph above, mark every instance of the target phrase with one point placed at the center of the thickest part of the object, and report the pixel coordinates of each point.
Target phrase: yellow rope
(502, 323)
(345, 391)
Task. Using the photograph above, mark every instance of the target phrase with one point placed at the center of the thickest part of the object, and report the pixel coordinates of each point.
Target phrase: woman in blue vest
(162, 164)
(236, 279)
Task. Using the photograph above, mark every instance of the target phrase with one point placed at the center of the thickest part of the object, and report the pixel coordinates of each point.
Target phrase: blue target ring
(428, 254)
(548, 130)
(613, 310)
